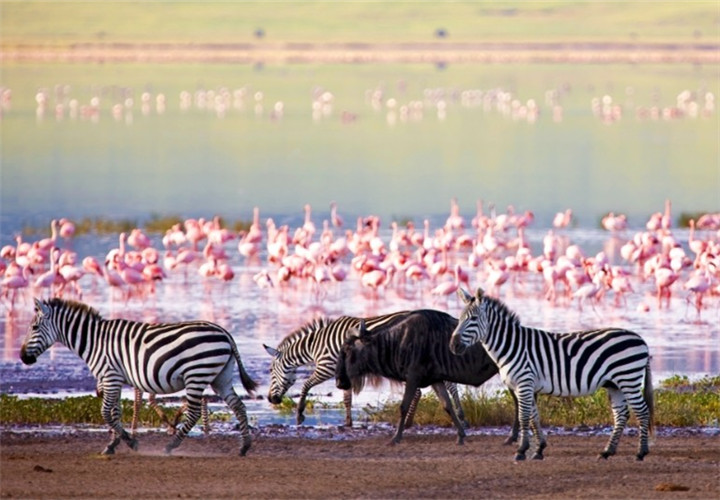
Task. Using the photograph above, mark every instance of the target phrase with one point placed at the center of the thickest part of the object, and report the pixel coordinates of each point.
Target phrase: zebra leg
(311, 382)
(205, 416)
(620, 417)
(222, 386)
(192, 415)
(442, 393)
(111, 414)
(642, 413)
(539, 435)
(453, 391)
(347, 401)
(409, 394)
(409, 420)
(526, 404)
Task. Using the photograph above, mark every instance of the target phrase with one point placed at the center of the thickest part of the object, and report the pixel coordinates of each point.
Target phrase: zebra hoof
(133, 444)
(603, 456)
(108, 451)
(639, 457)
(519, 457)
(244, 449)
(300, 419)
(538, 456)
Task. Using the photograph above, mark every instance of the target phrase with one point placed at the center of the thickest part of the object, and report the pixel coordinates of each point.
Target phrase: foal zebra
(319, 341)
(159, 358)
(533, 361)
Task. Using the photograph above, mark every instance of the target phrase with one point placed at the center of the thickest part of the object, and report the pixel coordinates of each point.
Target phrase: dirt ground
(353, 464)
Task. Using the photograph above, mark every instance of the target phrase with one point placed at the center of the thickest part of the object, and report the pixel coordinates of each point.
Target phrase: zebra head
(472, 325)
(282, 375)
(41, 334)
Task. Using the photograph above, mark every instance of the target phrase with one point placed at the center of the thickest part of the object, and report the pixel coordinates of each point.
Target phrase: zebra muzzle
(27, 358)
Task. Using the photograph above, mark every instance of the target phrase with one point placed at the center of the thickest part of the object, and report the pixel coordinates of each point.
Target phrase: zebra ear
(272, 352)
(479, 294)
(362, 329)
(41, 307)
(464, 296)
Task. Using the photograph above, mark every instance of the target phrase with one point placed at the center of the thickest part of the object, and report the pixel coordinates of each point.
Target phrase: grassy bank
(678, 403)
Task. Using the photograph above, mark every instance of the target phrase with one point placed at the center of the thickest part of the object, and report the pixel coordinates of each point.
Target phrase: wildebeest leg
(413, 408)
(442, 393)
(513, 437)
(347, 401)
(111, 415)
(410, 389)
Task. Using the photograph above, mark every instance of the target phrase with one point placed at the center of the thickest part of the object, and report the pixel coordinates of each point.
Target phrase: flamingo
(446, 288)
(562, 219)
(664, 278)
(15, 283)
(335, 219)
(698, 285)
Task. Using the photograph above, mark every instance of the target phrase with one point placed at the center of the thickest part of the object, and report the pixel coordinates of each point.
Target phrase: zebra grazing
(319, 341)
(159, 358)
(534, 361)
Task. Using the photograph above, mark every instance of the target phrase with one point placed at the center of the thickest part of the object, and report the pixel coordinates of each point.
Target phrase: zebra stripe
(159, 358)
(319, 341)
(533, 361)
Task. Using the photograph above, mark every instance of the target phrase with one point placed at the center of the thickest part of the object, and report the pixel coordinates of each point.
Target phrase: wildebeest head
(352, 360)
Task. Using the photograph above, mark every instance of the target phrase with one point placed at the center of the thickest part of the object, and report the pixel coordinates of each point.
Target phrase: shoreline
(360, 52)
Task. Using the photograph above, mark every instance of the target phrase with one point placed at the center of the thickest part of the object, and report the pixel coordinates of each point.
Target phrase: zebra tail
(649, 398)
(248, 383)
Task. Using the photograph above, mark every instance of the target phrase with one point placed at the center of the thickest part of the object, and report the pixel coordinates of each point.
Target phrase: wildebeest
(415, 351)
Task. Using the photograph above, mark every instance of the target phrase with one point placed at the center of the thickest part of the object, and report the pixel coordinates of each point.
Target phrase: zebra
(533, 361)
(319, 341)
(159, 358)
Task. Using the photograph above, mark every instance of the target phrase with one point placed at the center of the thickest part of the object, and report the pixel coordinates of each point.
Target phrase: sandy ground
(354, 464)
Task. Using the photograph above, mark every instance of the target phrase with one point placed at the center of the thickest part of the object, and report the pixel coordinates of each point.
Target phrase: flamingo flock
(489, 250)
(123, 102)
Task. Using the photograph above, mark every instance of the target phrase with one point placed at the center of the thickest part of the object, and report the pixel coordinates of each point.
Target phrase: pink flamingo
(446, 288)
(497, 276)
(698, 285)
(13, 284)
(614, 223)
(67, 229)
(562, 219)
(664, 278)
(455, 221)
(335, 219)
(52, 278)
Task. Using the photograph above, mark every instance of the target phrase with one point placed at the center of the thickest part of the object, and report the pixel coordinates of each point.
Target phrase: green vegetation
(678, 403)
(62, 23)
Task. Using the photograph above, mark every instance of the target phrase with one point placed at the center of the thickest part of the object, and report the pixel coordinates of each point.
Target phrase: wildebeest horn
(362, 329)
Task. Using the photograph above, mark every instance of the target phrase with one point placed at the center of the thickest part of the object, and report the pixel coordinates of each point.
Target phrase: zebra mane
(308, 328)
(72, 305)
(501, 309)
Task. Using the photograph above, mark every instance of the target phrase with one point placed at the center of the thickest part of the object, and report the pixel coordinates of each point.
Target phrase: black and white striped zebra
(533, 361)
(319, 341)
(159, 358)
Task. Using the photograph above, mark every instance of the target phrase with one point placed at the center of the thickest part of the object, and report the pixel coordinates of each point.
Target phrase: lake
(397, 141)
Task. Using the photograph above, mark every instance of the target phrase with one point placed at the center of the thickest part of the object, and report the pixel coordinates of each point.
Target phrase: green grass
(63, 22)
(678, 403)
